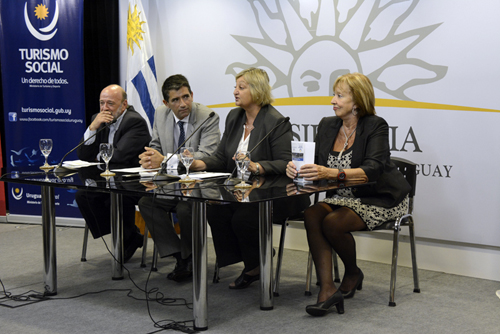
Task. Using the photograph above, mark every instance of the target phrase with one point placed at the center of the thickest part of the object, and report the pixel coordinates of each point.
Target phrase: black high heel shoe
(358, 286)
(244, 281)
(320, 309)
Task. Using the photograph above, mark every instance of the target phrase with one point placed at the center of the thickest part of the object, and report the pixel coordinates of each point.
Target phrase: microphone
(162, 174)
(260, 142)
(59, 167)
(274, 128)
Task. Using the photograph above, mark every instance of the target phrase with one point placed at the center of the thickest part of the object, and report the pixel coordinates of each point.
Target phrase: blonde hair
(258, 81)
(361, 90)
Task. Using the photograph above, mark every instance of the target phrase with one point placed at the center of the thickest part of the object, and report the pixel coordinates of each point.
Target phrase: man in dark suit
(128, 132)
(179, 114)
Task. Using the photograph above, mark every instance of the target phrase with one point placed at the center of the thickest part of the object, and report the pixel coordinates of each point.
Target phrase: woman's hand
(197, 166)
(291, 170)
(313, 172)
(252, 167)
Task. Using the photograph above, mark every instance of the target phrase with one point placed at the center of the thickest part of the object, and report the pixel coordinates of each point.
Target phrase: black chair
(86, 238)
(154, 263)
(409, 171)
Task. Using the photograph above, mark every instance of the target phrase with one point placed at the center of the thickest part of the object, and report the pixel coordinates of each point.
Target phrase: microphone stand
(62, 170)
(162, 174)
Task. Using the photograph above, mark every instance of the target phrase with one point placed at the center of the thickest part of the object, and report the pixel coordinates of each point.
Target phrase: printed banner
(41, 48)
(3, 208)
(438, 94)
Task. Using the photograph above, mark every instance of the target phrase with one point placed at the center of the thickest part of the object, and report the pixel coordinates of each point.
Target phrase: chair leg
(411, 226)
(85, 240)
(335, 267)
(216, 278)
(280, 259)
(309, 275)
(144, 246)
(154, 264)
(395, 250)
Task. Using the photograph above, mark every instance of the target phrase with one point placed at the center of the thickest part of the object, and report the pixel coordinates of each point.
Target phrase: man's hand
(102, 117)
(150, 158)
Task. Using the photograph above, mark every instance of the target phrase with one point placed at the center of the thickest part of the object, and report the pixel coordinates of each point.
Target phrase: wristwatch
(257, 169)
(341, 175)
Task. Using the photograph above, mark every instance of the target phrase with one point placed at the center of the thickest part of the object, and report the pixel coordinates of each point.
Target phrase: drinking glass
(106, 152)
(187, 157)
(46, 148)
(242, 159)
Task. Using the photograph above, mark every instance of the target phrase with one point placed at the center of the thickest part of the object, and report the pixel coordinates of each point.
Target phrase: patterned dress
(372, 215)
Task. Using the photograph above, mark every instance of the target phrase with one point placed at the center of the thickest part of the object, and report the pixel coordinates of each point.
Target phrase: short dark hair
(174, 82)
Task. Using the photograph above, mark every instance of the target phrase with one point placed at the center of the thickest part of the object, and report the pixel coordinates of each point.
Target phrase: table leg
(117, 235)
(266, 255)
(49, 241)
(200, 307)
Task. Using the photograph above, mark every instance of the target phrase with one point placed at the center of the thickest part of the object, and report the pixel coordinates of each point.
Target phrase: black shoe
(130, 246)
(358, 286)
(320, 309)
(244, 281)
(183, 270)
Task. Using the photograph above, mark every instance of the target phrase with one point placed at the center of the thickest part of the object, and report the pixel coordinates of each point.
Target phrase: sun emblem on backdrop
(134, 29)
(306, 45)
(41, 12)
(17, 193)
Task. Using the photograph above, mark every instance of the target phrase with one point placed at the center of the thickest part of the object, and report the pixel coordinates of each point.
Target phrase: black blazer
(272, 154)
(129, 140)
(371, 153)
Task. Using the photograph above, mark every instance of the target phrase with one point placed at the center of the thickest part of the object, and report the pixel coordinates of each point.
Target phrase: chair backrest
(409, 171)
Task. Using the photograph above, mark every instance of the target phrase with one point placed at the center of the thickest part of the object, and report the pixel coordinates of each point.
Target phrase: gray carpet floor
(88, 301)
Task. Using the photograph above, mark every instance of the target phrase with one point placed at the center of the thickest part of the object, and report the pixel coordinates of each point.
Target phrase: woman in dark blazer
(351, 146)
(235, 229)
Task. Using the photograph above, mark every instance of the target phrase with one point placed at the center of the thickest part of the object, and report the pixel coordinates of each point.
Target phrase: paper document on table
(79, 163)
(302, 154)
(135, 170)
(205, 175)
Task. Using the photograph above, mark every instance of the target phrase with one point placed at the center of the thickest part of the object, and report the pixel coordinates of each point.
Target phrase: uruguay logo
(42, 12)
(17, 193)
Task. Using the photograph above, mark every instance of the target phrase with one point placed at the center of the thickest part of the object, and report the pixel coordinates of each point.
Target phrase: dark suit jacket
(129, 140)
(272, 154)
(371, 153)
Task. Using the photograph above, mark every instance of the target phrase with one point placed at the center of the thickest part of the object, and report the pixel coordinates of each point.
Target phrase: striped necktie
(182, 135)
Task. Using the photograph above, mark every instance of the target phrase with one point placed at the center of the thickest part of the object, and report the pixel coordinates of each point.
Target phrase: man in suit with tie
(128, 131)
(174, 123)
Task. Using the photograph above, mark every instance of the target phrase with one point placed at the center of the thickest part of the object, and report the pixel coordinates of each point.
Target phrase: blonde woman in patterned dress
(352, 145)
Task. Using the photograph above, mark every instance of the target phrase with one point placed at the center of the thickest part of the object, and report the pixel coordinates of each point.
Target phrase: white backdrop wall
(433, 64)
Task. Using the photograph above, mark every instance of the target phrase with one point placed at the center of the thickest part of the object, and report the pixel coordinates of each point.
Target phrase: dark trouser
(95, 209)
(235, 233)
(235, 228)
(156, 214)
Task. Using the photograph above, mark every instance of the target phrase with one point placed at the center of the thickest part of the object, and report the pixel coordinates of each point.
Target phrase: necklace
(346, 141)
(249, 127)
